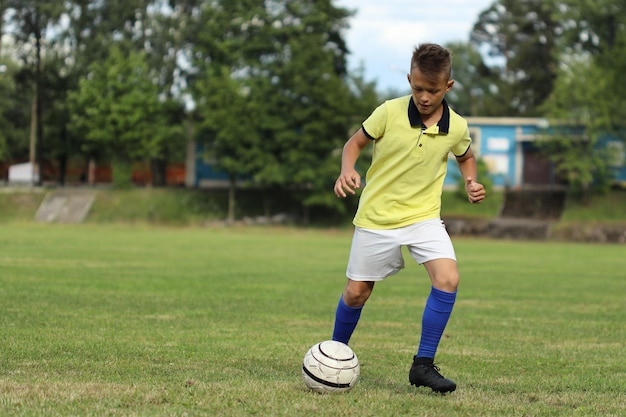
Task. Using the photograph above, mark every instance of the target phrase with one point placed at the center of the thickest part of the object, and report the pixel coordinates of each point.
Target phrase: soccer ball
(330, 366)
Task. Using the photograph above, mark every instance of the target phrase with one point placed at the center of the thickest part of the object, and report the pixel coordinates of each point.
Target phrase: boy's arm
(467, 166)
(349, 179)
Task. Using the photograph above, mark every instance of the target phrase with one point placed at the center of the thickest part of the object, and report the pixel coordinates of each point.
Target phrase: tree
(232, 139)
(311, 101)
(31, 19)
(597, 32)
(117, 110)
(60, 145)
(16, 92)
(474, 81)
(228, 52)
(163, 37)
(594, 26)
(589, 93)
(6, 91)
(521, 37)
(272, 92)
(157, 29)
(3, 8)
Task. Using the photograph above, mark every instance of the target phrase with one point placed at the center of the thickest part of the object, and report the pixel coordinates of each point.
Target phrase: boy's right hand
(347, 182)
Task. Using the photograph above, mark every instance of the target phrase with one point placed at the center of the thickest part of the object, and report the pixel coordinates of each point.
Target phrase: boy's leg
(434, 320)
(374, 255)
(349, 309)
(445, 278)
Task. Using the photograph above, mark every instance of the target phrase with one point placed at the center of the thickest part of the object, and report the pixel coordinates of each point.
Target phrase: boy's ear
(449, 86)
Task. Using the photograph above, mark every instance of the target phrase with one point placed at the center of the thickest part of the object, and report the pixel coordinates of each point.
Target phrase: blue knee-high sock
(346, 319)
(436, 314)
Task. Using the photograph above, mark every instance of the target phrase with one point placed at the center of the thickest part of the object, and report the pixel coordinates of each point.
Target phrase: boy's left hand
(475, 191)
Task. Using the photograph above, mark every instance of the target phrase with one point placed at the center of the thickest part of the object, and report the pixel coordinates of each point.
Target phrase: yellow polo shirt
(403, 184)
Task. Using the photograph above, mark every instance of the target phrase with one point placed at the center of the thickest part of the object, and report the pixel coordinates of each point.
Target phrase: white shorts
(376, 254)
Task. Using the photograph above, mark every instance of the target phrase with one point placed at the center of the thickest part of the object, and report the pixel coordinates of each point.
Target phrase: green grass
(173, 206)
(19, 204)
(116, 320)
(184, 207)
(607, 208)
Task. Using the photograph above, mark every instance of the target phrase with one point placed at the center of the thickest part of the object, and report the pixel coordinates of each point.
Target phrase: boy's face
(427, 92)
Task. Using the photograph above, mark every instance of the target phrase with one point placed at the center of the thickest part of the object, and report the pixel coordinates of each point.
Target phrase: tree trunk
(231, 199)
(158, 169)
(64, 156)
(39, 110)
(33, 142)
(91, 171)
(62, 160)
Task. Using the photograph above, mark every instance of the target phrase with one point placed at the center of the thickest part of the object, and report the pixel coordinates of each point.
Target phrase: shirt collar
(415, 119)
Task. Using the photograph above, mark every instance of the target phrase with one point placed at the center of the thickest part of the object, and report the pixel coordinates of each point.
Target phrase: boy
(400, 204)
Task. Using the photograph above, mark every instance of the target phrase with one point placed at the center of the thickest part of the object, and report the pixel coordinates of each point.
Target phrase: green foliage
(589, 94)
(605, 208)
(117, 109)
(269, 78)
(13, 115)
(71, 38)
(523, 36)
(121, 172)
(16, 108)
(579, 161)
(30, 19)
(472, 80)
(273, 94)
(594, 26)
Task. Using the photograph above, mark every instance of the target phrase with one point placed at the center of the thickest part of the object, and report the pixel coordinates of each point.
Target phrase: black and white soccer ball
(330, 366)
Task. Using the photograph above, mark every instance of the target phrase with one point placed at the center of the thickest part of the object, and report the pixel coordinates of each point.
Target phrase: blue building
(507, 145)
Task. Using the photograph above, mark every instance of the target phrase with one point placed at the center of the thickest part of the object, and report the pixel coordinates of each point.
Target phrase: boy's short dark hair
(432, 60)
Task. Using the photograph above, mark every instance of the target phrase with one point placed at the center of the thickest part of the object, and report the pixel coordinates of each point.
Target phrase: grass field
(152, 321)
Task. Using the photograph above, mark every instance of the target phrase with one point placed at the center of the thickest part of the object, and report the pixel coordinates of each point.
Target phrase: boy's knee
(448, 282)
(356, 293)
(444, 274)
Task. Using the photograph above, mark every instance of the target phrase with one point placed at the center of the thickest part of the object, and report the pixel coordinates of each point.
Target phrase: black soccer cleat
(425, 373)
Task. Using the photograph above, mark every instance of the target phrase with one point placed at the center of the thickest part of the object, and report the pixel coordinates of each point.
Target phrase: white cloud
(383, 34)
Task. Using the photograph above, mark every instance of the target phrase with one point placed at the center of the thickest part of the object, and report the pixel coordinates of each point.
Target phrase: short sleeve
(463, 145)
(374, 126)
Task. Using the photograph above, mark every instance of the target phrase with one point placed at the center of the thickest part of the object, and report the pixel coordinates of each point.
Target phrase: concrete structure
(23, 174)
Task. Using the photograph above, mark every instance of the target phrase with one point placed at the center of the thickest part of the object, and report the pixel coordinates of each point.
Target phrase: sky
(383, 33)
